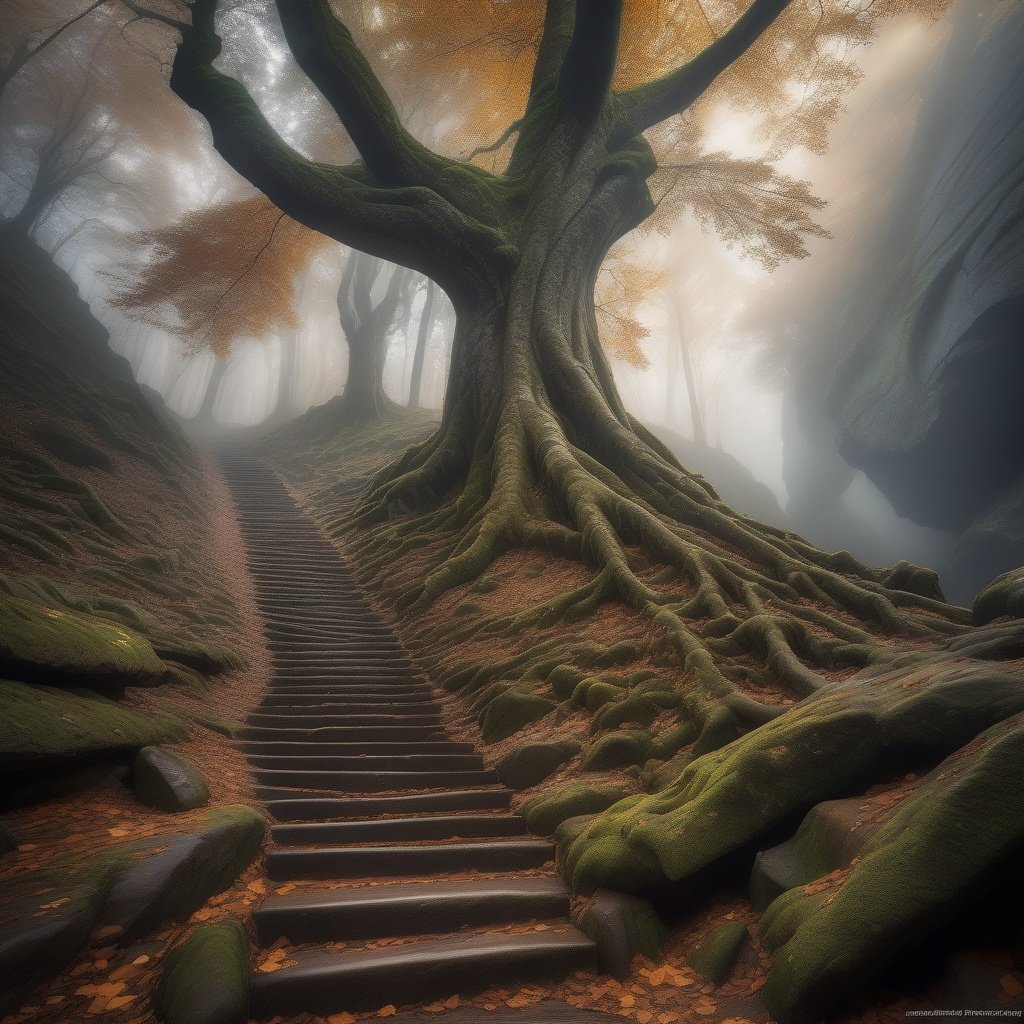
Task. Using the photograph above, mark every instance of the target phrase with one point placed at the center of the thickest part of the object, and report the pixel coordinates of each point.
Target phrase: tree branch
(586, 74)
(20, 60)
(324, 48)
(658, 100)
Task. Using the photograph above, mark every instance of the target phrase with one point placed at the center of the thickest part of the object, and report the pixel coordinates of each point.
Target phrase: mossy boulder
(206, 978)
(951, 845)
(546, 811)
(867, 727)
(830, 836)
(527, 765)
(622, 926)
(509, 711)
(715, 956)
(168, 781)
(1003, 596)
(42, 729)
(617, 750)
(63, 647)
(188, 869)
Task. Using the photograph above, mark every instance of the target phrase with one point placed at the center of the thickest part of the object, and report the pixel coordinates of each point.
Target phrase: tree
(425, 327)
(367, 322)
(535, 449)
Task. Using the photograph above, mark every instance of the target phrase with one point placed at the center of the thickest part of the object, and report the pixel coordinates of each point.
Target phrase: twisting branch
(324, 48)
(20, 59)
(650, 104)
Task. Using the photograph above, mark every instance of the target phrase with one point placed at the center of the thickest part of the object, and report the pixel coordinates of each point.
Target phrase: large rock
(191, 868)
(44, 729)
(527, 765)
(206, 978)
(167, 781)
(622, 926)
(63, 647)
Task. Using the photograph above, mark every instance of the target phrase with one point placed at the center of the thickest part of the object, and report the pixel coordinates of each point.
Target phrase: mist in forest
(717, 344)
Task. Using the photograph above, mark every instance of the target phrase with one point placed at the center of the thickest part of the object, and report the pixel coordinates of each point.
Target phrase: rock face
(623, 926)
(168, 782)
(927, 402)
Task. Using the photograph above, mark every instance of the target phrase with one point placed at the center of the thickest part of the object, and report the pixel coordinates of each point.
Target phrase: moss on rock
(206, 977)
(617, 750)
(1003, 596)
(546, 811)
(58, 645)
(509, 711)
(715, 957)
(527, 765)
(44, 728)
(954, 841)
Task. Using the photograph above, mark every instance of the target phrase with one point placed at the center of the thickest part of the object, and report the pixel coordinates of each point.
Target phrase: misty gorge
(511, 511)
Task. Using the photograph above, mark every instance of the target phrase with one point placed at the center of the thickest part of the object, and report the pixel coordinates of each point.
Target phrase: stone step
(341, 734)
(400, 861)
(400, 830)
(256, 748)
(413, 909)
(325, 712)
(288, 805)
(324, 981)
(368, 762)
(373, 782)
(353, 718)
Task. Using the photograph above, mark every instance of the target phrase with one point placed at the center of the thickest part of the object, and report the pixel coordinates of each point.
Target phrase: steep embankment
(843, 858)
(126, 622)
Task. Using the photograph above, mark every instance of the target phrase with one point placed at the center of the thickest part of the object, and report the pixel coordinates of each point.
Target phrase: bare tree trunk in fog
(205, 415)
(426, 323)
(700, 434)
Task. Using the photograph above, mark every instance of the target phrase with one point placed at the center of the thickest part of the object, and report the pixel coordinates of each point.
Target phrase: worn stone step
(411, 694)
(367, 762)
(414, 909)
(325, 981)
(402, 861)
(397, 830)
(340, 734)
(287, 805)
(373, 782)
(257, 747)
(325, 713)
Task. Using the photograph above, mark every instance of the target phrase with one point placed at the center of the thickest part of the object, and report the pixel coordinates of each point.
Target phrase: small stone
(167, 781)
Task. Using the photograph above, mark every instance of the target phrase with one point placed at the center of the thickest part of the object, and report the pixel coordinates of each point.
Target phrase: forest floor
(452, 639)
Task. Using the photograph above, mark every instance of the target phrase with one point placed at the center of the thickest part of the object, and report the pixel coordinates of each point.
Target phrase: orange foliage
(222, 273)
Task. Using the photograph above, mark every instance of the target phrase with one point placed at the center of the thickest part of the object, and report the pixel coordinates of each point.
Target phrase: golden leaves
(222, 273)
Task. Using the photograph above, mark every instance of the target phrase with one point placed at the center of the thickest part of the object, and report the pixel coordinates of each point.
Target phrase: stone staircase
(387, 829)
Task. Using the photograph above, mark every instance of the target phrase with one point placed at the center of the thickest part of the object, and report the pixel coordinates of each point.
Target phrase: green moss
(563, 680)
(29, 544)
(861, 729)
(63, 646)
(637, 709)
(43, 729)
(206, 977)
(617, 749)
(1003, 596)
(715, 957)
(528, 765)
(546, 811)
(594, 692)
(956, 840)
(507, 713)
(148, 563)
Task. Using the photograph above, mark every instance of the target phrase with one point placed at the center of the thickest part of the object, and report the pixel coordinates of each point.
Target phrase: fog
(757, 340)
